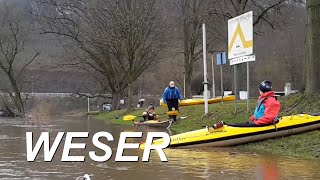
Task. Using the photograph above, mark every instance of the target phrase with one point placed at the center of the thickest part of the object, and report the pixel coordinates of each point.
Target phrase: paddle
(132, 117)
(172, 113)
(171, 121)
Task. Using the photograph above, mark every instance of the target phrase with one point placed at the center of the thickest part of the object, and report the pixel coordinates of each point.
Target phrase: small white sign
(240, 36)
(121, 101)
(242, 59)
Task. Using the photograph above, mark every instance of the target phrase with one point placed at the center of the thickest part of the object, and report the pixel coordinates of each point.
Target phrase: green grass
(306, 145)
(92, 113)
(115, 117)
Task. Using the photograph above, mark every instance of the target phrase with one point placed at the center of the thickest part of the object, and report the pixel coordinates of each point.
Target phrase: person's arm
(179, 94)
(252, 118)
(272, 109)
(164, 97)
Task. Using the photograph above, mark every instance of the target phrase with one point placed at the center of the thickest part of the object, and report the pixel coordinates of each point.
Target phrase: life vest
(260, 109)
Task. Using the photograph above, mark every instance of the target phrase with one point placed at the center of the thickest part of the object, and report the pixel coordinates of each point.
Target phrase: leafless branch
(265, 10)
(26, 65)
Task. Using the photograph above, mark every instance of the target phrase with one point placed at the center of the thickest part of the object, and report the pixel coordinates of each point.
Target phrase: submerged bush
(41, 113)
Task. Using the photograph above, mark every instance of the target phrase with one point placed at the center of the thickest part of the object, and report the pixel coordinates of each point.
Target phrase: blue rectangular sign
(221, 58)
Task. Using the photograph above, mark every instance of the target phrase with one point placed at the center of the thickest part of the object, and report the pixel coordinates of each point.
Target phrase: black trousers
(173, 103)
(247, 124)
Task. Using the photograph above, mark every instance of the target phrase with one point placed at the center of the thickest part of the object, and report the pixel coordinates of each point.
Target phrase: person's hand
(252, 118)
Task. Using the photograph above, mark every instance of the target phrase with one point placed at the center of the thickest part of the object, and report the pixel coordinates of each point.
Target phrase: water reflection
(210, 163)
(225, 163)
(267, 170)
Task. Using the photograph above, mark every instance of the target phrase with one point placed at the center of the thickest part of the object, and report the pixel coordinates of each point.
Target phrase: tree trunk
(188, 67)
(130, 94)
(9, 111)
(312, 55)
(17, 96)
(189, 71)
(188, 86)
(116, 95)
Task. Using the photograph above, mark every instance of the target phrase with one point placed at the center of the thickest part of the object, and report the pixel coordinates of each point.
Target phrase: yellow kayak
(229, 135)
(154, 123)
(192, 102)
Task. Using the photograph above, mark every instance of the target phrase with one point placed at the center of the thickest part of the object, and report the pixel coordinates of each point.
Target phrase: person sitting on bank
(150, 114)
(171, 97)
(266, 112)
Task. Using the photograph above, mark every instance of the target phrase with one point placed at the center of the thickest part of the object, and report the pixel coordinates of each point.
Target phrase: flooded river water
(211, 163)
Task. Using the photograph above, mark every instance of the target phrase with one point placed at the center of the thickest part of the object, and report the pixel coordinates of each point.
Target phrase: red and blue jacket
(267, 110)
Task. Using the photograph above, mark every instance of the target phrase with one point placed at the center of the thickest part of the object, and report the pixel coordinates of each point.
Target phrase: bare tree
(292, 59)
(266, 13)
(312, 53)
(118, 39)
(12, 38)
(136, 38)
(192, 13)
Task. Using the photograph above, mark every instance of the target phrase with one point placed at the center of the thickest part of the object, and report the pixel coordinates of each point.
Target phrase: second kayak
(192, 102)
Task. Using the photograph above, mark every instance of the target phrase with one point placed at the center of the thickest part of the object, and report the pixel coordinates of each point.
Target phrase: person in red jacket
(268, 106)
(266, 111)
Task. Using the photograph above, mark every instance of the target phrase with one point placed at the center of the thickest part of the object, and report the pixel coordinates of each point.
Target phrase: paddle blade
(129, 118)
(172, 113)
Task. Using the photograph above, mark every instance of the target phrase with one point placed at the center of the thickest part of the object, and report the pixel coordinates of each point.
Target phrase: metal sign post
(184, 85)
(205, 82)
(240, 47)
(221, 80)
(221, 59)
(213, 84)
(88, 104)
(248, 89)
(235, 89)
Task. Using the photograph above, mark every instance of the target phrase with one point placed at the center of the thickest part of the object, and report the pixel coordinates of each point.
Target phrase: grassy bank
(305, 145)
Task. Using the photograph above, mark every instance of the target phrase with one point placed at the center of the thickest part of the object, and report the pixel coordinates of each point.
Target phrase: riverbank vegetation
(134, 48)
(306, 145)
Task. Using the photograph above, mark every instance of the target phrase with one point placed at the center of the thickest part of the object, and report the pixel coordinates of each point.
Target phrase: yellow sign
(240, 36)
(239, 32)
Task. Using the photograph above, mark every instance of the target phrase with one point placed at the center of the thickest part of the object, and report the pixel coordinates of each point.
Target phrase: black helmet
(265, 86)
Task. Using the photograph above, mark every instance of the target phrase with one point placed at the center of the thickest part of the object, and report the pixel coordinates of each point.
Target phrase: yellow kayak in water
(154, 123)
(229, 135)
(192, 102)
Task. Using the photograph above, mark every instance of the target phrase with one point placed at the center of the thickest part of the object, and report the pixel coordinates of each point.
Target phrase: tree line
(126, 42)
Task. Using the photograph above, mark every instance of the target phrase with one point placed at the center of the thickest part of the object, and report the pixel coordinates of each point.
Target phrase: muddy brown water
(209, 163)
